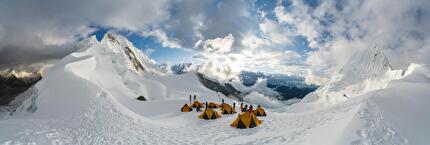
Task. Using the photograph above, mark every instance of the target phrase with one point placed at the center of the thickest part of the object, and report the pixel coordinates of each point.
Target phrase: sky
(308, 38)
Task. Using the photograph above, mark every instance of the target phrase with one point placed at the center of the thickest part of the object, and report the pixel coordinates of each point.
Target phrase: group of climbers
(246, 119)
(257, 112)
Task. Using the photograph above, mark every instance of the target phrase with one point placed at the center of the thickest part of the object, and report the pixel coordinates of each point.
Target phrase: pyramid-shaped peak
(112, 37)
(368, 63)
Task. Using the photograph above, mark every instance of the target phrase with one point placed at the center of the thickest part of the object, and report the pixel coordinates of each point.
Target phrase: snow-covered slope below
(396, 114)
(90, 98)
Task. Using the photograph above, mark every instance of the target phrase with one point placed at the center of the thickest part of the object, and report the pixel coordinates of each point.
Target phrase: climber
(234, 105)
(250, 109)
(244, 109)
(195, 97)
(241, 106)
(198, 109)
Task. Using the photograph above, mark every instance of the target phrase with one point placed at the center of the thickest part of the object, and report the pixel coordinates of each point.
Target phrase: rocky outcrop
(11, 85)
(226, 89)
(137, 65)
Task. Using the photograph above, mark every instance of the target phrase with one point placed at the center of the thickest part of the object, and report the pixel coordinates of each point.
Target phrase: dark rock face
(137, 65)
(11, 86)
(226, 89)
(181, 68)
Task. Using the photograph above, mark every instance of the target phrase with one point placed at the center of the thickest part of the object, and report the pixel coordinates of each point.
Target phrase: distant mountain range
(287, 86)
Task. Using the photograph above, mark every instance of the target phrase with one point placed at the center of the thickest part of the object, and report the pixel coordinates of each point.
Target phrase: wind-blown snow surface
(89, 98)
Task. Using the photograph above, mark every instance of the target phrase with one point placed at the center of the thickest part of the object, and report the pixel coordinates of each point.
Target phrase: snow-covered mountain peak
(179, 68)
(367, 70)
(86, 43)
(116, 44)
(112, 68)
(367, 64)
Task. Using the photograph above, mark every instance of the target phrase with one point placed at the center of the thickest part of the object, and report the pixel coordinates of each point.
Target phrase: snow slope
(89, 98)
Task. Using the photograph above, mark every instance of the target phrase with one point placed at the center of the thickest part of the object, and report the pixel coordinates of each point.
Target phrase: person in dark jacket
(234, 106)
(198, 109)
(244, 109)
(241, 105)
(250, 109)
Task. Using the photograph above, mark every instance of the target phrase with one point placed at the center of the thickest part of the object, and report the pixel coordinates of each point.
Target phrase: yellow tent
(259, 112)
(197, 104)
(246, 120)
(209, 114)
(223, 105)
(212, 105)
(186, 108)
(227, 109)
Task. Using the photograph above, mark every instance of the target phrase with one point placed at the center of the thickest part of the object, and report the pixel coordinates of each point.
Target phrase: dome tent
(213, 105)
(223, 105)
(246, 120)
(197, 104)
(227, 109)
(259, 112)
(186, 108)
(209, 114)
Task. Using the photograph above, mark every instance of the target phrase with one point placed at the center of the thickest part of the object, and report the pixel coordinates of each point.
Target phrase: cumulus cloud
(222, 68)
(260, 99)
(260, 86)
(196, 20)
(277, 34)
(300, 21)
(225, 67)
(164, 39)
(219, 45)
